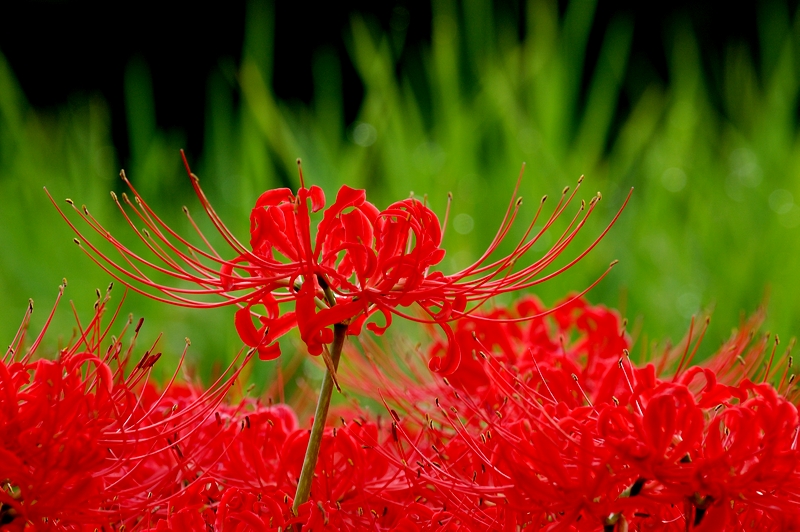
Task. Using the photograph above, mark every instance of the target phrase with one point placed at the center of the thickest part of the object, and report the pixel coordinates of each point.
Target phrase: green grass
(712, 222)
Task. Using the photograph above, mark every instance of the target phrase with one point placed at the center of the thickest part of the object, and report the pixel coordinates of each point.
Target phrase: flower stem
(320, 415)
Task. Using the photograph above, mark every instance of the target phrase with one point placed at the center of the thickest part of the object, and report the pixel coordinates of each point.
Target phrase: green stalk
(320, 415)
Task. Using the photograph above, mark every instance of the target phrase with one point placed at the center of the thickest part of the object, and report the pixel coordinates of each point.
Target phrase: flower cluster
(548, 425)
(362, 261)
(551, 426)
(87, 440)
(534, 417)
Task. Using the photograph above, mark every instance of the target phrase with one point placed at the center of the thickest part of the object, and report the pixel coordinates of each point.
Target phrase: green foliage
(712, 224)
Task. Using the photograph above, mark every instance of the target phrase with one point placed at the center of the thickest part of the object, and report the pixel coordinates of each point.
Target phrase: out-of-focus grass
(712, 224)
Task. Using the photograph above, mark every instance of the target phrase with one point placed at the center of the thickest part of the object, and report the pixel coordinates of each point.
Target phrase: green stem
(320, 415)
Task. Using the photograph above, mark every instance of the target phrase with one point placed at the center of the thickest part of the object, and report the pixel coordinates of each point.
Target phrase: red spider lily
(362, 261)
(355, 486)
(84, 442)
(555, 433)
(576, 437)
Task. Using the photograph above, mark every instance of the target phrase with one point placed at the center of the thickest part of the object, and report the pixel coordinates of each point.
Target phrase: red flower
(86, 440)
(552, 427)
(361, 261)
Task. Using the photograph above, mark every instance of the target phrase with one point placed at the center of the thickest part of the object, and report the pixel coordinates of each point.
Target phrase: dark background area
(710, 144)
(59, 49)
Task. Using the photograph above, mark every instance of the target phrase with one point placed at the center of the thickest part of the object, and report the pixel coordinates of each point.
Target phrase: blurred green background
(707, 138)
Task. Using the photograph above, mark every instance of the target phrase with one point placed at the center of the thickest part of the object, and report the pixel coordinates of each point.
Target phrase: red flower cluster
(542, 423)
(362, 261)
(85, 443)
(549, 426)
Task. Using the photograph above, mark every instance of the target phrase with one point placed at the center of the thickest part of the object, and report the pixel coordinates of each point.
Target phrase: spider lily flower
(86, 439)
(361, 261)
(555, 428)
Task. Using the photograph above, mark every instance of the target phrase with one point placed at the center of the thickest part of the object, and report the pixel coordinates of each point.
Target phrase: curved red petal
(317, 198)
(247, 331)
(450, 361)
(275, 196)
(271, 352)
(377, 329)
